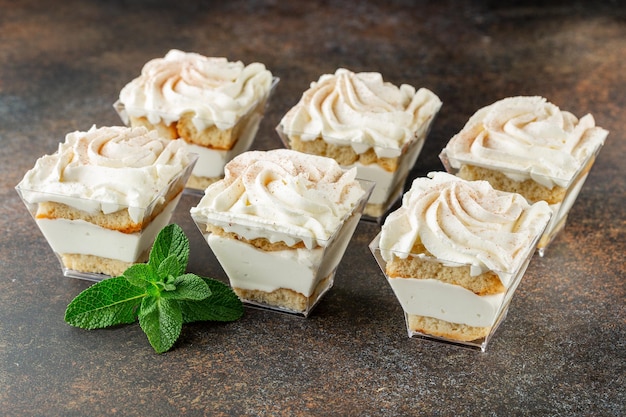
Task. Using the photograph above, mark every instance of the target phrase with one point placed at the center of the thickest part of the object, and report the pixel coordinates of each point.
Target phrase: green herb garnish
(159, 293)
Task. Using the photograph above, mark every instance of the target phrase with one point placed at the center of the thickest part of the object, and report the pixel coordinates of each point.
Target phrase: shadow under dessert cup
(362, 121)
(103, 196)
(454, 253)
(279, 223)
(529, 146)
(215, 105)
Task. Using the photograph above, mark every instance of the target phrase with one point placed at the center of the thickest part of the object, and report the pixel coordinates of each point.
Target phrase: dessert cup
(291, 278)
(211, 159)
(453, 306)
(363, 121)
(80, 231)
(454, 252)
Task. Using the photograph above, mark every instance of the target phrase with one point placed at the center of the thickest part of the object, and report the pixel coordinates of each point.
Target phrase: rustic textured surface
(561, 350)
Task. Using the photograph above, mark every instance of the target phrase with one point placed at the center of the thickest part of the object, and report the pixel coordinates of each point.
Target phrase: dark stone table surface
(561, 350)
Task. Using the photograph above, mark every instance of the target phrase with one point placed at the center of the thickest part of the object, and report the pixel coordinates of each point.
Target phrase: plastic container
(444, 306)
(291, 278)
(82, 232)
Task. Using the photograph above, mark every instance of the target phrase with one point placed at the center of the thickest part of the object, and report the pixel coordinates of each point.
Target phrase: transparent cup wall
(290, 280)
(559, 210)
(84, 245)
(389, 185)
(416, 300)
(211, 162)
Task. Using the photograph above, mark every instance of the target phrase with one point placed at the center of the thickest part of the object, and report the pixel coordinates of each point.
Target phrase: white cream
(299, 270)
(386, 182)
(211, 162)
(465, 223)
(218, 91)
(253, 269)
(106, 169)
(526, 138)
(281, 195)
(560, 212)
(452, 303)
(363, 111)
(84, 238)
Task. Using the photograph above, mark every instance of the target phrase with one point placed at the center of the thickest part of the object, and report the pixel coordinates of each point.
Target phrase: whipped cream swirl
(281, 195)
(106, 169)
(527, 137)
(218, 91)
(363, 110)
(464, 222)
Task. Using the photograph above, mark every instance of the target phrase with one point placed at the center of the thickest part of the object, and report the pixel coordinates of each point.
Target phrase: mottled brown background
(559, 352)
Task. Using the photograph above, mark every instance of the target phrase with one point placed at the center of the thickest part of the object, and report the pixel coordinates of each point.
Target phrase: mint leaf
(141, 275)
(222, 305)
(188, 287)
(170, 266)
(171, 240)
(159, 293)
(107, 303)
(161, 320)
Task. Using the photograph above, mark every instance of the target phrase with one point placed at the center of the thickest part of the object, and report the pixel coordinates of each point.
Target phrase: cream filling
(211, 161)
(560, 210)
(253, 269)
(386, 182)
(299, 270)
(452, 303)
(81, 237)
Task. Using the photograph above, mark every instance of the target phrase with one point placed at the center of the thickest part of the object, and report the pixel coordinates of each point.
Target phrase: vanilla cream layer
(452, 303)
(299, 270)
(386, 181)
(211, 161)
(253, 269)
(561, 210)
(81, 237)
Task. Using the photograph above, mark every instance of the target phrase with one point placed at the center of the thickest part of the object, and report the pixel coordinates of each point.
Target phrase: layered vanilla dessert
(454, 253)
(103, 196)
(366, 123)
(528, 146)
(215, 105)
(279, 223)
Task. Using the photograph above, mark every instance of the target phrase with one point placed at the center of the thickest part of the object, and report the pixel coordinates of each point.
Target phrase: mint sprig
(158, 293)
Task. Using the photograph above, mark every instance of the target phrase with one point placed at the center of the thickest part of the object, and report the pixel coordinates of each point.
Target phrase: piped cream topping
(218, 91)
(281, 195)
(363, 110)
(465, 222)
(106, 169)
(527, 137)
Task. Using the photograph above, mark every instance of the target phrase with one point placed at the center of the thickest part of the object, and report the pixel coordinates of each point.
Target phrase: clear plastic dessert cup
(433, 309)
(211, 161)
(95, 239)
(389, 177)
(290, 279)
(568, 194)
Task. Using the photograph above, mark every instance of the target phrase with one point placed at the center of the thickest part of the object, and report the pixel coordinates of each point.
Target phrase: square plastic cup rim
(253, 224)
(121, 108)
(446, 160)
(44, 196)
